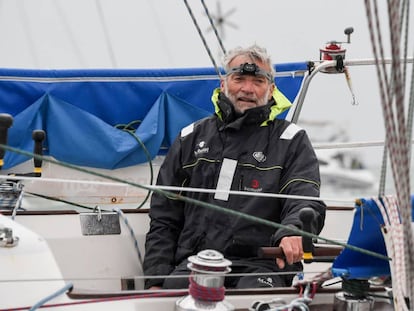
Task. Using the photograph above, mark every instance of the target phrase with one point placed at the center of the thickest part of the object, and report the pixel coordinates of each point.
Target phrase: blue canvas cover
(366, 234)
(82, 111)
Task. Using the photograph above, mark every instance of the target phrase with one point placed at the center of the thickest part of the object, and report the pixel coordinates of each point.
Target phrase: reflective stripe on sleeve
(187, 130)
(290, 131)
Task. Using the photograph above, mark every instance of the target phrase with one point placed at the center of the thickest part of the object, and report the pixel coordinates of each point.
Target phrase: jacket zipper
(241, 183)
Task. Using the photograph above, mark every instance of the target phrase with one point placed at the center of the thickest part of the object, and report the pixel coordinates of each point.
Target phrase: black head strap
(250, 69)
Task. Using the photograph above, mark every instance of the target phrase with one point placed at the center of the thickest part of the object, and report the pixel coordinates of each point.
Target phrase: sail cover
(365, 234)
(84, 113)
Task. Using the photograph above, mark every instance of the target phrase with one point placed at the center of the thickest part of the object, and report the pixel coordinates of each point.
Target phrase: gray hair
(254, 52)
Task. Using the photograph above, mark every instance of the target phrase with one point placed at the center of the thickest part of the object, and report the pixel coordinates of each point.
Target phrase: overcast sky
(160, 34)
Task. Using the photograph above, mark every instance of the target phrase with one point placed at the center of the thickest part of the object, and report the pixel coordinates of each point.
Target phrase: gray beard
(260, 102)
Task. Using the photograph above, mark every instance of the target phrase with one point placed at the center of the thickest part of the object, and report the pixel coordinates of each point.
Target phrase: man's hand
(292, 248)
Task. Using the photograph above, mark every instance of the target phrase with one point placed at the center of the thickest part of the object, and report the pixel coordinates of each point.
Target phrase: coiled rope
(130, 129)
(200, 292)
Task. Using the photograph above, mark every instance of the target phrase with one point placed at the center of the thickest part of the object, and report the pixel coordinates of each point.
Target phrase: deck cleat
(208, 269)
(7, 239)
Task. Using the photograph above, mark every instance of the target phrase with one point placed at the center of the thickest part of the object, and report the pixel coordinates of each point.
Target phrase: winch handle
(6, 120)
(307, 216)
(320, 253)
(38, 137)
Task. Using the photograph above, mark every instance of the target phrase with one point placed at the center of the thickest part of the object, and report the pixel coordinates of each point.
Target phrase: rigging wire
(163, 38)
(27, 32)
(202, 38)
(106, 34)
(62, 17)
(213, 26)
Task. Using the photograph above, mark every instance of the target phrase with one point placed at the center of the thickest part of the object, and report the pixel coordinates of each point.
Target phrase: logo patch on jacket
(259, 156)
(254, 186)
(201, 148)
(267, 281)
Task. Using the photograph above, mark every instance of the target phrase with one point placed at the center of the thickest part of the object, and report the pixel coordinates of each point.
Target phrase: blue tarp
(366, 234)
(81, 110)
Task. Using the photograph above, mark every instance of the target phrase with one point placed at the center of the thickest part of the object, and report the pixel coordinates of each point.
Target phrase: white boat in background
(344, 170)
(340, 168)
(74, 204)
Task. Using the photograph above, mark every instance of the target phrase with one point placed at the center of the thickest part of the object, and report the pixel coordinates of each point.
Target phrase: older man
(243, 147)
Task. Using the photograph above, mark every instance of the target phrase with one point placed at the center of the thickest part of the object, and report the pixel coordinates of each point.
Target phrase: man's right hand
(292, 248)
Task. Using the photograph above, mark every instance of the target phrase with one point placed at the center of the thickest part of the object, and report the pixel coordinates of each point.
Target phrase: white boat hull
(52, 252)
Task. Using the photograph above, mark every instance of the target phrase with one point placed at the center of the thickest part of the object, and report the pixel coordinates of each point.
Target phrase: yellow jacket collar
(282, 104)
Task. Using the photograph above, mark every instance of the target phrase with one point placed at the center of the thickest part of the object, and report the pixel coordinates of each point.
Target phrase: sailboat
(81, 149)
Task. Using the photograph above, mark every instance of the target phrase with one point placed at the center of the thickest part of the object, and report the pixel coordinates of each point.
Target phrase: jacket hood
(278, 104)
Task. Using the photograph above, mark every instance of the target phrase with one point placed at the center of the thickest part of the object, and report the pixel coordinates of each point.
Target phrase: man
(241, 147)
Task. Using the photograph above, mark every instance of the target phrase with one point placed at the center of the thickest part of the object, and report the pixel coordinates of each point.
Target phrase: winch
(208, 269)
(334, 51)
(354, 296)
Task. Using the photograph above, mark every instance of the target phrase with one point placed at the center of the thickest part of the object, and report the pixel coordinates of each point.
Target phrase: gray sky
(160, 34)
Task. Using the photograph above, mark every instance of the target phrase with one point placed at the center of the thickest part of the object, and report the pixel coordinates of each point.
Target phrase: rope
(129, 128)
(59, 200)
(18, 204)
(200, 292)
(178, 196)
(410, 113)
(61, 291)
(397, 129)
(132, 233)
(383, 172)
(393, 237)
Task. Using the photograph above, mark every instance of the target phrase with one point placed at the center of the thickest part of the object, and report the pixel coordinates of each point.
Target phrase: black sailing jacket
(273, 156)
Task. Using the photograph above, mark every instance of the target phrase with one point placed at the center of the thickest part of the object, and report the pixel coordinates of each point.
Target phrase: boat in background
(341, 169)
(344, 170)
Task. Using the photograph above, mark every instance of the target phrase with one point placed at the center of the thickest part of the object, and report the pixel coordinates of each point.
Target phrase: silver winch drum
(208, 268)
(344, 302)
(10, 192)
